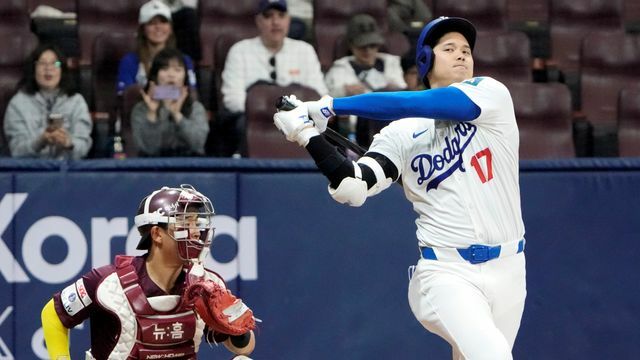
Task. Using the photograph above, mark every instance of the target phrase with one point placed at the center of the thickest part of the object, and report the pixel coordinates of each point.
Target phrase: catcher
(160, 304)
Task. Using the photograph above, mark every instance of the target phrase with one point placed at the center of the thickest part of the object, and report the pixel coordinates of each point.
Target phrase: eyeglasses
(45, 64)
(272, 62)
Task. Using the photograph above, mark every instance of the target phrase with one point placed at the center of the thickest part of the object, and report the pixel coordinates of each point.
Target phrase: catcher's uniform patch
(75, 298)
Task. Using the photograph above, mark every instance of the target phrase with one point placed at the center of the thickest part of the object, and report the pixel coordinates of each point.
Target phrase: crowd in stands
(177, 95)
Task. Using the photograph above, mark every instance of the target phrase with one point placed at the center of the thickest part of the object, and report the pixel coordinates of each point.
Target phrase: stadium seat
(330, 18)
(14, 16)
(629, 121)
(503, 55)
(130, 98)
(108, 49)
(610, 62)
(222, 18)
(17, 46)
(527, 11)
(570, 22)
(219, 51)
(264, 140)
(543, 113)
(99, 16)
(7, 90)
(532, 18)
(486, 15)
(632, 16)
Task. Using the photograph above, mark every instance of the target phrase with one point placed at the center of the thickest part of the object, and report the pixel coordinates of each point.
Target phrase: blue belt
(474, 254)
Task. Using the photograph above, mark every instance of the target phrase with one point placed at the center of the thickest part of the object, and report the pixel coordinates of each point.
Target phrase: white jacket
(342, 73)
(248, 62)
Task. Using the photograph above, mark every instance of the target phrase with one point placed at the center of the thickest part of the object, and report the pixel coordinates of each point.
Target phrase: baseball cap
(265, 5)
(362, 30)
(152, 9)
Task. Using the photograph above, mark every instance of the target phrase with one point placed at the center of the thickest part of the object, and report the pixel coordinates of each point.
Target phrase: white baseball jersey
(462, 177)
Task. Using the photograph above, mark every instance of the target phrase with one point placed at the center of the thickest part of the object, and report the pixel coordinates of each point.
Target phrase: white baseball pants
(475, 308)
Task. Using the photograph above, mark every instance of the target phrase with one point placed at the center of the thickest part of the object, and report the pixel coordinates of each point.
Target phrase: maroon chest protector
(161, 334)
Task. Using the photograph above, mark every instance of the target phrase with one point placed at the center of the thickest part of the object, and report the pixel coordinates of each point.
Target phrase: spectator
(301, 19)
(168, 121)
(408, 17)
(47, 118)
(410, 71)
(154, 34)
(270, 57)
(365, 71)
(186, 25)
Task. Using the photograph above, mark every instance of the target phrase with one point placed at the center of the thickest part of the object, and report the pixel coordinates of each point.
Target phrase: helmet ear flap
(424, 62)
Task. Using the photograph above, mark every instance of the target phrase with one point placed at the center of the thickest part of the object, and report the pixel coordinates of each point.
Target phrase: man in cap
(366, 70)
(455, 148)
(270, 57)
(138, 306)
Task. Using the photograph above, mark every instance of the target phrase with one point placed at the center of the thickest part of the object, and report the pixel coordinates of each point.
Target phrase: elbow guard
(352, 190)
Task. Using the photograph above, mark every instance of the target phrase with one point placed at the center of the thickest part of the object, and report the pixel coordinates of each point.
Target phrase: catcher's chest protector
(150, 329)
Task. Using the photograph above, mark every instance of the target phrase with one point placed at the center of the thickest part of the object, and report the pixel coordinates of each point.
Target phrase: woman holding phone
(168, 121)
(155, 32)
(46, 118)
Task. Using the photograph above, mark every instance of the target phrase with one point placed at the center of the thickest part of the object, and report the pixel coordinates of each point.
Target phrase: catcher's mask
(431, 33)
(189, 214)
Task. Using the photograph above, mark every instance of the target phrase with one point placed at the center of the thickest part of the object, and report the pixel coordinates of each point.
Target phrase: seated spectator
(154, 34)
(366, 70)
(410, 71)
(408, 17)
(186, 25)
(168, 121)
(270, 57)
(47, 118)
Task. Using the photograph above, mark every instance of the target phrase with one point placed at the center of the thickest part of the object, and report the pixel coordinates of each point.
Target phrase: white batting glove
(296, 125)
(321, 111)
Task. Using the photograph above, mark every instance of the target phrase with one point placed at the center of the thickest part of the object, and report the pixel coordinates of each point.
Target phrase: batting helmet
(188, 210)
(432, 32)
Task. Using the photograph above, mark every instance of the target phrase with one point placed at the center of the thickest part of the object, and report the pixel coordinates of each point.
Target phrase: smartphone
(55, 121)
(166, 92)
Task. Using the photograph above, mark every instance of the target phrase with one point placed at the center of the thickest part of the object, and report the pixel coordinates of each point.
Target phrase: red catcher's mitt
(219, 308)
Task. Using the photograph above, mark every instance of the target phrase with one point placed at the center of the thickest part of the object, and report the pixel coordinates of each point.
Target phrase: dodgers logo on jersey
(426, 164)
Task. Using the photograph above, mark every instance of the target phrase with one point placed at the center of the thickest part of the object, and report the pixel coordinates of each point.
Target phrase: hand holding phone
(55, 121)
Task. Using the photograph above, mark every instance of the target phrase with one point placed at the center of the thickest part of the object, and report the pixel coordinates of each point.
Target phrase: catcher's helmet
(432, 32)
(188, 210)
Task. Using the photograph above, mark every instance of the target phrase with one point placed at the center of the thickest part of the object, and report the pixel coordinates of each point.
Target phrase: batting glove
(296, 125)
(321, 111)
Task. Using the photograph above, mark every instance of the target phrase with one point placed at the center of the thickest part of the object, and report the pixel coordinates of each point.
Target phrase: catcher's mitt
(219, 308)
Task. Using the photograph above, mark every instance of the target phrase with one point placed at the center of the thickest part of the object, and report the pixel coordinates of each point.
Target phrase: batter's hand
(321, 111)
(295, 124)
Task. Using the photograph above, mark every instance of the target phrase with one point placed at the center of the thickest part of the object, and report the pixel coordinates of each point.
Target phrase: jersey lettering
(475, 162)
(426, 164)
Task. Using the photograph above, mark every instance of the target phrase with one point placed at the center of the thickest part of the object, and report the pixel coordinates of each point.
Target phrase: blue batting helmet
(430, 35)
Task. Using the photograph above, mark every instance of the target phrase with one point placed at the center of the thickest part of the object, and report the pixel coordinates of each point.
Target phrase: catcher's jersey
(462, 177)
(78, 302)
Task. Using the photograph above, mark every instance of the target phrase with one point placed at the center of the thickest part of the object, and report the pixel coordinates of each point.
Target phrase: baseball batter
(455, 148)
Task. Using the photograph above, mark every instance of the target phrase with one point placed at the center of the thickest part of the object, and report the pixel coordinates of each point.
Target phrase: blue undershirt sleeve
(448, 103)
